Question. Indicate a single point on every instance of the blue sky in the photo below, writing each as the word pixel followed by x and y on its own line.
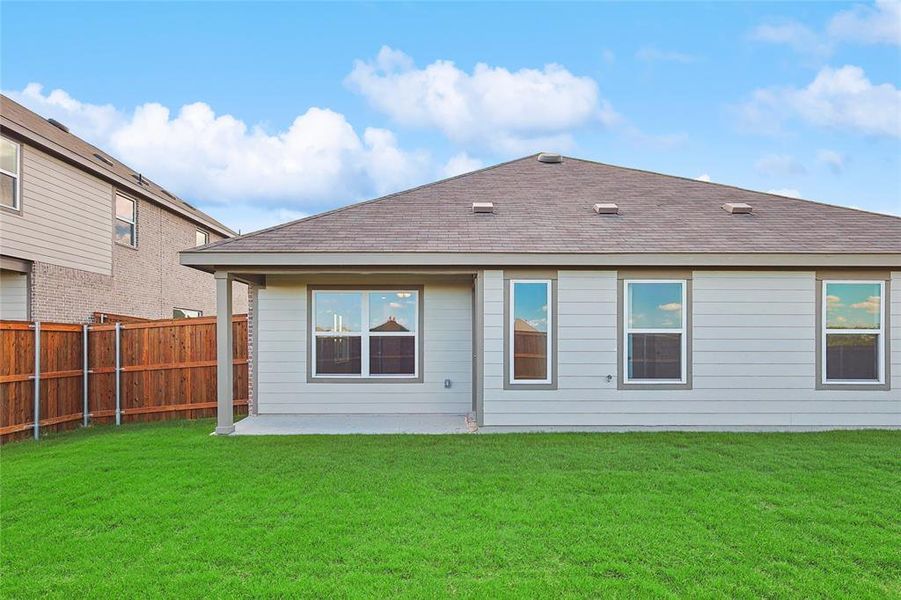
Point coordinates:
pixel 260 113
pixel 530 304
pixel 853 305
pixel 655 305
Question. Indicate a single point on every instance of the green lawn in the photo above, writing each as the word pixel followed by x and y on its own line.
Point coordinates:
pixel 165 509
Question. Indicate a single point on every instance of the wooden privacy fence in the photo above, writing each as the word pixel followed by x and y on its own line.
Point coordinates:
pixel 112 373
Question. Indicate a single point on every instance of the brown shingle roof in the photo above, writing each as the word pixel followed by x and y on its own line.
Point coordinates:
pixel 40 131
pixel 548 208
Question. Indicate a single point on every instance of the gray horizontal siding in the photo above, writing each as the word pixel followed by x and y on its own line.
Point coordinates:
pixel 282 355
pixel 754 361
pixel 66 216
pixel 895 332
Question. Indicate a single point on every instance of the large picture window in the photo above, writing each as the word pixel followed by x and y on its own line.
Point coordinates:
pixel 365 333
pixel 655 335
pixel 530 329
pixel 853 336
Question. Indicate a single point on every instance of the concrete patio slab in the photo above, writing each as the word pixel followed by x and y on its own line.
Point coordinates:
pixel 351 424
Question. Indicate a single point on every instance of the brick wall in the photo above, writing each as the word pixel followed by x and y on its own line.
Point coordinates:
pixel 147 281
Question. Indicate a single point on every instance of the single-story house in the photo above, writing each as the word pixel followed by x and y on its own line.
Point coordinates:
pixel 554 292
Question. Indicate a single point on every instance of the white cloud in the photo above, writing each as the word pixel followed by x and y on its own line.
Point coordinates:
pixel 779 165
pixel 245 217
pixel 832 159
pixel 705 177
pixel 319 159
pixel 671 307
pixel 795 35
pixel 871 305
pixel 461 163
pixel 842 98
pixel 787 192
pixel 878 23
pixel 529 109
pixel 833 300
pixel 869 24
pixel 652 54
pixel 90 121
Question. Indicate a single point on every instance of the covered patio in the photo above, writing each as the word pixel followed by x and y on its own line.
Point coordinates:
pixel 288 397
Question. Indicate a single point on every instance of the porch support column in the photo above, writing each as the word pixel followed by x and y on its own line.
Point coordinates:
pixel 478 347
pixel 225 422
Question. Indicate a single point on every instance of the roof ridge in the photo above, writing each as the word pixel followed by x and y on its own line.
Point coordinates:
pixel 731 186
pixel 362 203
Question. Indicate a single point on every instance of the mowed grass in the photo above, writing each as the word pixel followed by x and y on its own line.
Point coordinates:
pixel 167 510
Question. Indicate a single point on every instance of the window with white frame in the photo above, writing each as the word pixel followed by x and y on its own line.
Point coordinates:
pixel 530 329
pixel 126 220
pixel 365 333
pixel 853 336
pixel 10 173
pixel 655 336
pixel 201 238
pixel 186 313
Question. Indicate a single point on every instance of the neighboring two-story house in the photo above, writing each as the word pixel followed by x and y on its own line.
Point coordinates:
pixel 81 233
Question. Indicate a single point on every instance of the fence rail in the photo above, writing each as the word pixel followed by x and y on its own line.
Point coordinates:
pixel 122 372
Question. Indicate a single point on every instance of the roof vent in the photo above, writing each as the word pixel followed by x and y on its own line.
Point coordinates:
pixel 103 159
pixel 737 208
pixel 483 207
pixel 550 157
pixel 606 208
pixel 58 125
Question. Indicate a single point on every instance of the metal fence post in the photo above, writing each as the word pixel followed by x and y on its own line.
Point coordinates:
pixel 37 380
pixel 84 386
pixel 118 372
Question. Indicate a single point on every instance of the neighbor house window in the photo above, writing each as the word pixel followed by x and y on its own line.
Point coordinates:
pixel 126 220
pixel 186 313
pixel 853 336
pixel 529 331
pixel 365 333
pixel 655 332
pixel 201 238
pixel 10 163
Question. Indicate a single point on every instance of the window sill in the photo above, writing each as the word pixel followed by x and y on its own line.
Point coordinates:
pixel 13 211
pixel 129 246
pixel 519 385
pixel 352 380
pixel 855 387
pixel 668 385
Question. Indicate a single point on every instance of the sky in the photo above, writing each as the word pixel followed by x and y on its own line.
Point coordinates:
pixel 262 113
pixel 655 305
pixel 383 306
pixel 853 305
pixel 530 304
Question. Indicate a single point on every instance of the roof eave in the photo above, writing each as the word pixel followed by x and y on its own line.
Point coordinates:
pixel 270 261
